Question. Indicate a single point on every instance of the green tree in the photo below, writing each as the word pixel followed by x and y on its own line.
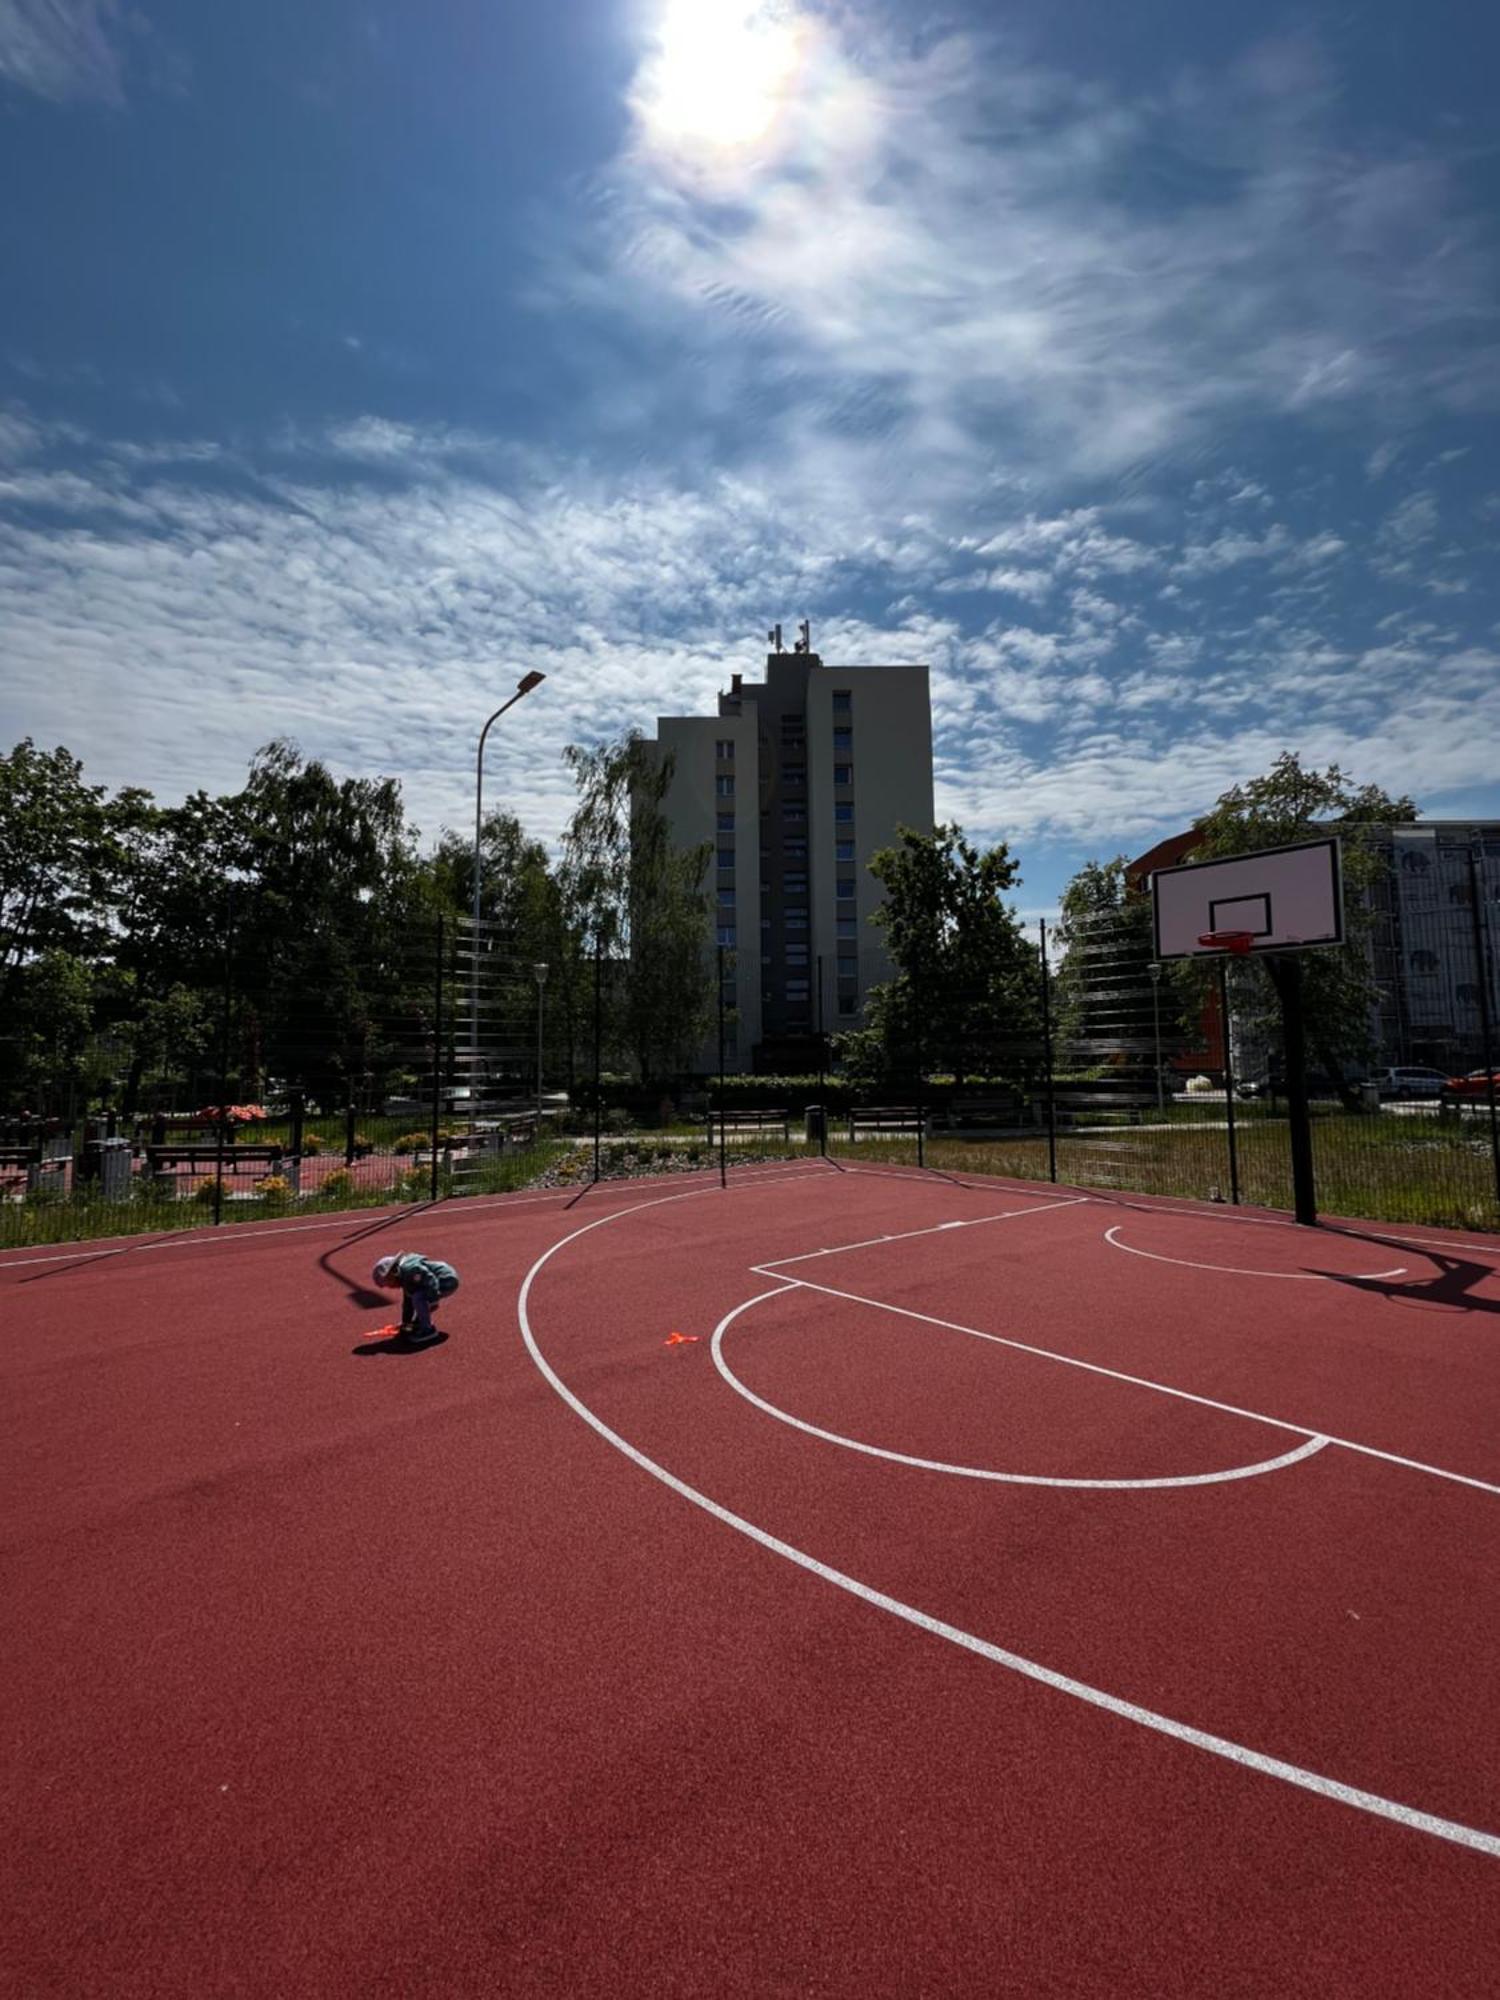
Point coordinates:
pixel 638 898
pixel 965 998
pixel 1290 803
pixel 65 861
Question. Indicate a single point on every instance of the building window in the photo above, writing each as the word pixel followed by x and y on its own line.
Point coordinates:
pixel 724 784
pixel 846 886
pixel 724 749
pixel 794 775
pixel 794 850
pixel 796 954
pixel 794 815
pixel 725 935
pixel 765 923
pixel 797 989
pixel 795 882
pixel 848 968
pixel 848 927
pixel 843 774
pixel 843 850
pixel 843 740
pixel 848 1003
pixel 843 701
pixel 726 821
pixel 843 811
pixel 726 895
pixel 796 920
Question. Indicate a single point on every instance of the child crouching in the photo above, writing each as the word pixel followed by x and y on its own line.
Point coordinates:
pixel 422 1282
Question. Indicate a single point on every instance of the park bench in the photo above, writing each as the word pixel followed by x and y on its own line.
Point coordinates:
pixel 1078 1104
pixel 165 1158
pixel 997 1110
pixel 895 1119
pixel 750 1121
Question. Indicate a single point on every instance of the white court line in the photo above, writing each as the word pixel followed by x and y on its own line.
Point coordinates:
pixel 1410 1817
pixel 1237 1271
pixel 1313 1444
pixel 1139 1382
pixel 933 1229
pixel 453 1206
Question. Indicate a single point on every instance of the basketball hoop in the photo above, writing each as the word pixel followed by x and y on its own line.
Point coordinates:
pixel 1236 942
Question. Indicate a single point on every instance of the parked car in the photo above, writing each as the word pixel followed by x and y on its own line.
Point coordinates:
pixel 1409 1081
pixel 1471 1089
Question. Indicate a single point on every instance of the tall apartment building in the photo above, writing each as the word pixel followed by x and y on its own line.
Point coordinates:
pixel 797 781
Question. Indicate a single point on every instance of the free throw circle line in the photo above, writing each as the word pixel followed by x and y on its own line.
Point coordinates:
pixel 1314 1442
pixel 1411 1817
pixel 1111 1237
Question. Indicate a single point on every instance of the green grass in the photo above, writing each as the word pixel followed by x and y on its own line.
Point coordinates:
pixel 1379 1167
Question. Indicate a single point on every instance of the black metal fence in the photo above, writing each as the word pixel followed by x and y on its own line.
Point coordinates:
pixel 445 1065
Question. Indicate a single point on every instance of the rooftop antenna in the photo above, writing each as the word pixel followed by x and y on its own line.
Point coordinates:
pixel 804 641
pixel 773 638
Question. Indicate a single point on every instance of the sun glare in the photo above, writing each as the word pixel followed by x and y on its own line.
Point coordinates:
pixel 721 73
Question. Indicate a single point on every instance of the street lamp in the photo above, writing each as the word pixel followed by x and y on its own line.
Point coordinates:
pixel 539 973
pixel 523 686
pixel 1155 968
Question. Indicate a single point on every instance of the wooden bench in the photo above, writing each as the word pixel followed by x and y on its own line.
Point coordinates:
pixel 1074 1105
pixel 997 1111
pixel 898 1119
pixel 750 1121
pixel 160 1159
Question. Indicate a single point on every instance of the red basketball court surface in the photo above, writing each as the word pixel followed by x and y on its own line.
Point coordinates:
pixel 995 1589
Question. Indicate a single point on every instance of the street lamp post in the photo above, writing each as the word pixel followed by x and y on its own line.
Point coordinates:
pixel 539 973
pixel 524 686
pixel 1155 970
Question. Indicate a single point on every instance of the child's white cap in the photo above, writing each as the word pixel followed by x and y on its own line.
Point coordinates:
pixel 385 1269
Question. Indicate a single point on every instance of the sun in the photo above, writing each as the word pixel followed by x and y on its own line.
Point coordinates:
pixel 720 74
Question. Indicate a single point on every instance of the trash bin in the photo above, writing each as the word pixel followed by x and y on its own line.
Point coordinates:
pixel 1370 1096
pixel 114 1169
pixel 816 1124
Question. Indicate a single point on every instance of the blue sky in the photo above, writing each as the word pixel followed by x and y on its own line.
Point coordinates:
pixel 1137 367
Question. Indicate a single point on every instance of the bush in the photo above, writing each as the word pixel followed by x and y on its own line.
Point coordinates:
pixel 312 1143
pixel 618 1122
pixel 338 1186
pixel 203 1193
pixel 276 1190
pixel 410 1142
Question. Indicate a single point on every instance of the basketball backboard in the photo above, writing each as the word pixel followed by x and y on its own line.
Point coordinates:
pixel 1283 898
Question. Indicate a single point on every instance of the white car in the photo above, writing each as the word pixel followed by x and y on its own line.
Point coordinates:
pixel 1408 1082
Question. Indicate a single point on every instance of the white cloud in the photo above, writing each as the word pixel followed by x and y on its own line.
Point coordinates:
pixel 63 48
pixel 948 225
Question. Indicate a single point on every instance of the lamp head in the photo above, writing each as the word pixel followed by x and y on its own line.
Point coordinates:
pixel 529 681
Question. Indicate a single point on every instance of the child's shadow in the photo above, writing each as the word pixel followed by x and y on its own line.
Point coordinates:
pixel 397 1343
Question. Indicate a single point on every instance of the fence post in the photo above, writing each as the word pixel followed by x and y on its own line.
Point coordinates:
pixel 1234 1151
pixel 921 1093
pixel 1482 973
pixel 223 1120
pixel 723 1134
pixel 437 1056
pixel 297 1108
pixel 1047 1056
pixel 822 1069
pixel 349 1126
pixel 598 1048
